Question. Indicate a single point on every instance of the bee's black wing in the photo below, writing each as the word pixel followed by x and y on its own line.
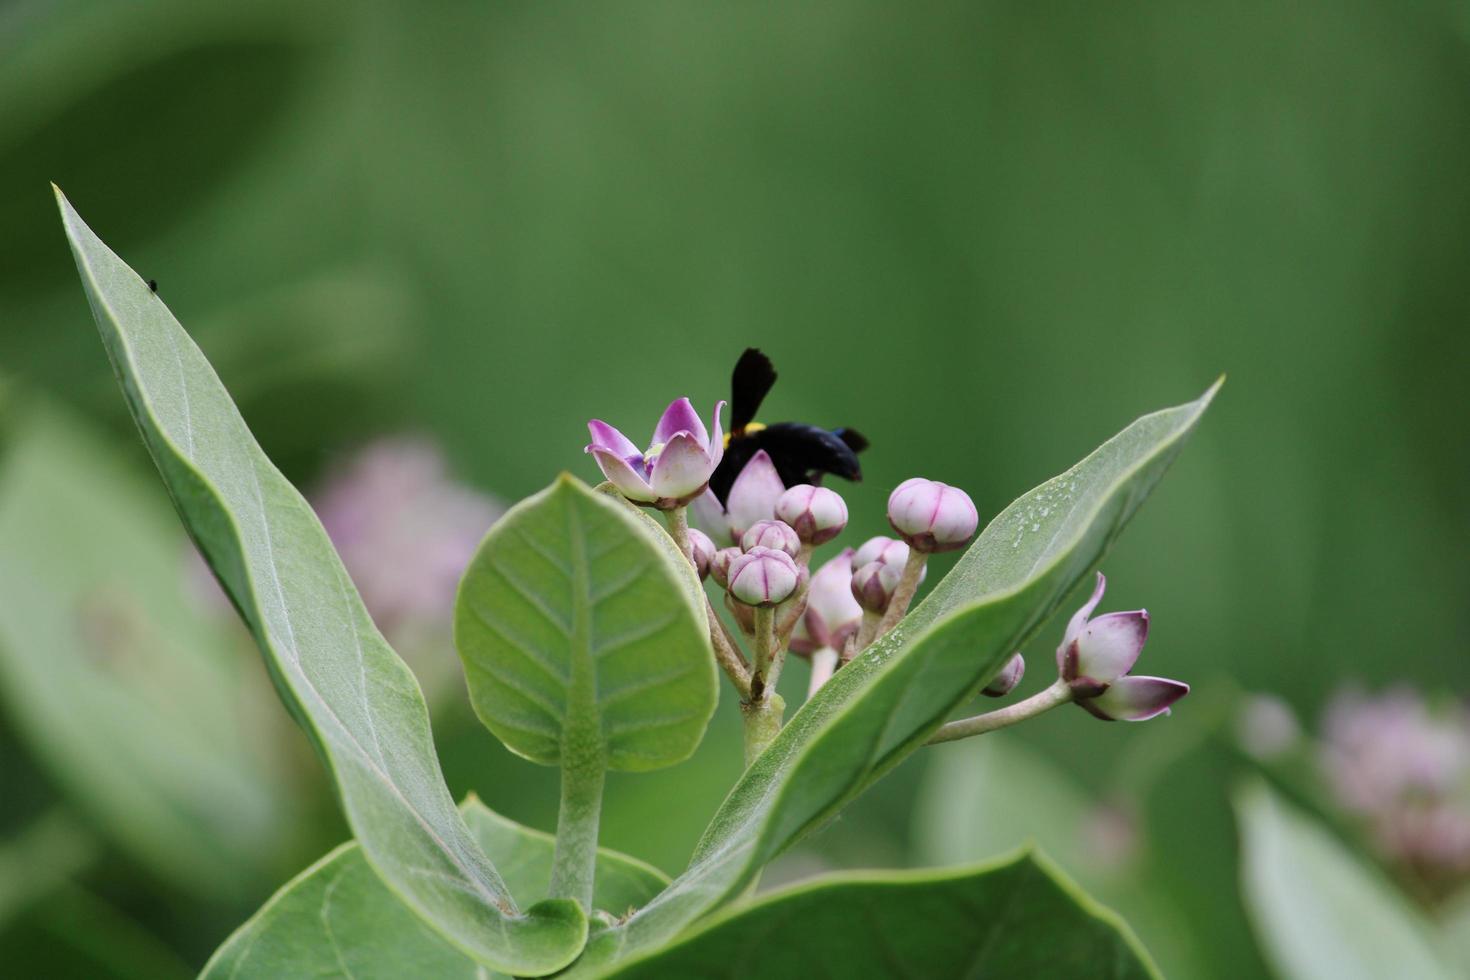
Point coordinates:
pixel 753 377
pixel 804 453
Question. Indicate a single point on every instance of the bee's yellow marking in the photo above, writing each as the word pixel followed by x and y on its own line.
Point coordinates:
pixel 751 428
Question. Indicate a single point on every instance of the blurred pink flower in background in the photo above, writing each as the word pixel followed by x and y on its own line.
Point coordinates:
pixel 1403 765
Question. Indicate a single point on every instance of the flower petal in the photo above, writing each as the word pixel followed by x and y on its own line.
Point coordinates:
pixel 683 468
pixel 680 417
pixel 706 514
pixel 605 436
pixel 754 493
pixel 630 483
pixel 717 435
pixel 1136 698
pixel 1109 645
pixel 1079 620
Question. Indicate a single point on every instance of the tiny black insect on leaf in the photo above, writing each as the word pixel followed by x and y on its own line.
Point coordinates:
pixel 153 285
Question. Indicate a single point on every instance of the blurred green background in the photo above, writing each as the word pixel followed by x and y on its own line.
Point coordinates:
pixel 987 235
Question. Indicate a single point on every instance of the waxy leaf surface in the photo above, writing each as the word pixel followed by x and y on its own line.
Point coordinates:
pixel 571 618
pixel 337 918
pixel 1014 919
pixel 355 698
pixel 887 702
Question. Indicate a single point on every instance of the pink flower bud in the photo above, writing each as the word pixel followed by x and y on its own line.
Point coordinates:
pixel 763 577
pixel 832 614
pixel 873 585
pixel 890 551
pixel 817 514
pixel 1006 680
pixel 771 534
pixel 701 552
pixel 719 565
pixel 932 516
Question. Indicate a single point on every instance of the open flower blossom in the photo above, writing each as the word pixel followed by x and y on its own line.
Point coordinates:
pixel 1096 656
pixel 832 614
pixel 932 516
pixel 763 577
pixel 752 499
pixel 674 469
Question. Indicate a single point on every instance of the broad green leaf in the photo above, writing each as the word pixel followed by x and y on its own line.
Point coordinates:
pixel 884 704
pixel 355 698
pixel 1015 919
pixel 337 918
pixel 572 618
pixel 125 692
pixel 1319 912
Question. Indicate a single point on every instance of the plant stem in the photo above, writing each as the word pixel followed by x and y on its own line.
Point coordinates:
pixel 1058 693
pixel 903 594
pixel 574 864
pixel 762 723
pixel 824 662
pixel 727 652
pixel 865 632
pixel 767 652
pixel 678 520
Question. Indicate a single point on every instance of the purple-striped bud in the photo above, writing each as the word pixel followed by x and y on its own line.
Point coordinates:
pixel 1005 682
pixel 890 551
pixel 932 516
pixel 701 552
pixel 763 577
pixel 771 534
pixel 873 585
pixel 817 514
pixel 719 565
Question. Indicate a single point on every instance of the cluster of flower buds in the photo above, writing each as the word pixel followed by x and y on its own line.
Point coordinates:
pixel 1096 656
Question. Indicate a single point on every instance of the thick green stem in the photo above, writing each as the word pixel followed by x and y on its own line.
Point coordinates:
pixel 762 723
pixel 574 864
pixel 678 520
pixel 767 652
pixel 1058 693
pixel 903 593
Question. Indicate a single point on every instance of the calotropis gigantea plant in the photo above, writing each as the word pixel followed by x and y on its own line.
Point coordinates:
pixel 588 643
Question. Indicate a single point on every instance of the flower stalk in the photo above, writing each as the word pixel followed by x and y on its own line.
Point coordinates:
pixel 1059 693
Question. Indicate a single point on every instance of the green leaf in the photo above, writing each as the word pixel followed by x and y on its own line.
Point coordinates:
pixel 1319 912
pixel 337 917
pixel 572 615
pixel 1017 918
pixel 884 704
pixel 355 698
pixel 127 694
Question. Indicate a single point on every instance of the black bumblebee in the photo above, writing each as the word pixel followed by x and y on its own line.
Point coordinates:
pixel 802 453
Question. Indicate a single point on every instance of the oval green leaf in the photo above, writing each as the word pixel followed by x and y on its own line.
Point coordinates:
pixel 1319 912
pixel 354 697
pixel 1016 918
pixel 337 917
pixel 887 702
pixel 571 619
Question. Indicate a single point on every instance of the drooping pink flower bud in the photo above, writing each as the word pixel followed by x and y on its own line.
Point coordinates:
pixel 1096 656
pixel 816 513
pixel 701 552
pixel 763 577
pixel 677 465
pixel 771 534
pixel 874 583
pixel 832 614
pixel 719 566
pixel 1010 675
pixel 932 516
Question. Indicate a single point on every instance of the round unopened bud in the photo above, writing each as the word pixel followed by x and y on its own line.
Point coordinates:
pixel 763 577
pixel 771 534
pixel 701 551
pixel 888 550
pixel 932 516
pixel 1010 675
pixel 816 514
pixel 873 585
pixel 719 565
